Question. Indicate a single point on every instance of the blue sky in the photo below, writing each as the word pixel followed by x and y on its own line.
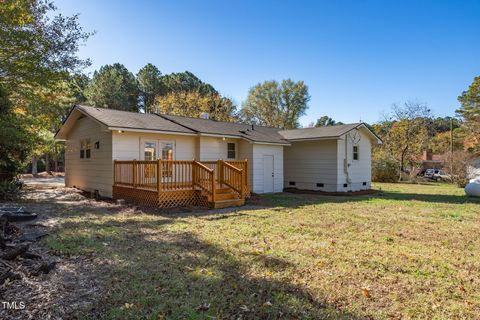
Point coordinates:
pixel 357 57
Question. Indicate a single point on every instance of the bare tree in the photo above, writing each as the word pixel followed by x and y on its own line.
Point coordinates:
pixel 456 165
pixel 405 132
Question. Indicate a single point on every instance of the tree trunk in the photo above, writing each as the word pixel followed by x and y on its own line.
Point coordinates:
pixel 47 163
pixel 56 158
pixel 34 165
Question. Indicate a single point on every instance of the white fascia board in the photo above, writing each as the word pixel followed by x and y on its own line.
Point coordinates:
pixel 219 135
pixel 271 143
pixel 151 131
pixel 313 139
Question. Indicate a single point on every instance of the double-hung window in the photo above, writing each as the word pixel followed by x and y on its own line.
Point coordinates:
pixel 231 154
pixel 85 149
pixel 355 152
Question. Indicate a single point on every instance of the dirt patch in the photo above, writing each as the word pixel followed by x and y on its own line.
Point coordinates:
pixel 43 284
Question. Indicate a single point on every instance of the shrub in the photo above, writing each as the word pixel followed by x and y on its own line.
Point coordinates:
pixel 456 165
pixel 10 190
pixel 385 170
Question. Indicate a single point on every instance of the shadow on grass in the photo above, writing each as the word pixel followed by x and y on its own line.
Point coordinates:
pixel 160 273
pixel 295 200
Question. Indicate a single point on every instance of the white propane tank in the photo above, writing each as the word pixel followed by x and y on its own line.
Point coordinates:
pixel 473 188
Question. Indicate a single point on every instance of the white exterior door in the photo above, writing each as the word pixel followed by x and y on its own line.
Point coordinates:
pixel 268 174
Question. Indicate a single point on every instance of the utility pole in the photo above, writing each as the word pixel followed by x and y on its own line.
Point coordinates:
pixel 451 146
pixel 451 136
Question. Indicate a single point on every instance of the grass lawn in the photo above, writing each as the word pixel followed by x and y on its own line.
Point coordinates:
pixel 410 252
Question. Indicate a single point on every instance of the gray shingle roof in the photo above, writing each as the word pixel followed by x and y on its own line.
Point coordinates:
pixel 168 123
pixel 132 120
pixel 205 126
pixel 318 133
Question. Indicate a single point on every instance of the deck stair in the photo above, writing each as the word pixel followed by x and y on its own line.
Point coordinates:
pixel 226 197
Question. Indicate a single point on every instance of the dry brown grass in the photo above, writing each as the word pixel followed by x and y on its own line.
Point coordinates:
pixel 410 251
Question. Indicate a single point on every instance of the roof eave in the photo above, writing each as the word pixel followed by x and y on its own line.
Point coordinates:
pixel 151 131
pixel 314 138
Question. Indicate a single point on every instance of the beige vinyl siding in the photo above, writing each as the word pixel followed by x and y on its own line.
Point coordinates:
pixel 214 148
pixel 259 150
pixel 310 162
pixel 95 173
pixel 129 145
pixel 360 170
pixel 245 151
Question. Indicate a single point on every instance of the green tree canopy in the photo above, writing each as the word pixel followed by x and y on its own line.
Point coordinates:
pixel 186 82
pixel 470 112
pixel 276 105
pixel 442 124
pixel 15 140
pixel 150 85
pixel 193 104
pixel 113 87
pixel 38 53
pixel 326 121
pixel 36 48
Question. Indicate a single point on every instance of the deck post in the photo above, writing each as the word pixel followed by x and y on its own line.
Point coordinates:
pixel 245 168
pixel 220 172
pixel 134 171
pixel 214 187
pixel 194 174
pixel 114 172
pixel 242 185
pixel 159 181
pixel 160 175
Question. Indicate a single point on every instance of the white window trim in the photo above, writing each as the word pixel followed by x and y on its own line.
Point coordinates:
pixel 358 152
pixel 236 151
pixel 82 141
pixel 167 141
pixel 143 148
pixel 157 150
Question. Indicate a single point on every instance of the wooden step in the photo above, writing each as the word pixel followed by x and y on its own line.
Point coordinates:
pixel 223 190
pixel 226 196
pixel 228 203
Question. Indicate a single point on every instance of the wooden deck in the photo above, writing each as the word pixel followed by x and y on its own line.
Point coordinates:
pixel 171 183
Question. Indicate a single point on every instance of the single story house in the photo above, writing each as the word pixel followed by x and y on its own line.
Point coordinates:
pixel 111 152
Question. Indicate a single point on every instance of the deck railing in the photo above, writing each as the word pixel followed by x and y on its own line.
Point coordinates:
pixel 204 178
pixel 178 175
pixel 231 176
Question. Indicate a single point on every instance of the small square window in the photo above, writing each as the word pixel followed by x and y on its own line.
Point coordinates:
pixel 345 185
pixel 355 152
pixel 320 185
pixel 231 150
pixel 291 183
pixel 364 183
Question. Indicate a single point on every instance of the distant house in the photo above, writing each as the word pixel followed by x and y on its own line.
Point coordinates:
pixel 432 161
pixel 167 160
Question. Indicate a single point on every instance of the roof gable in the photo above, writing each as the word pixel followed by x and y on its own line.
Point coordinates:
pixel 115 119
pixel 327 132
